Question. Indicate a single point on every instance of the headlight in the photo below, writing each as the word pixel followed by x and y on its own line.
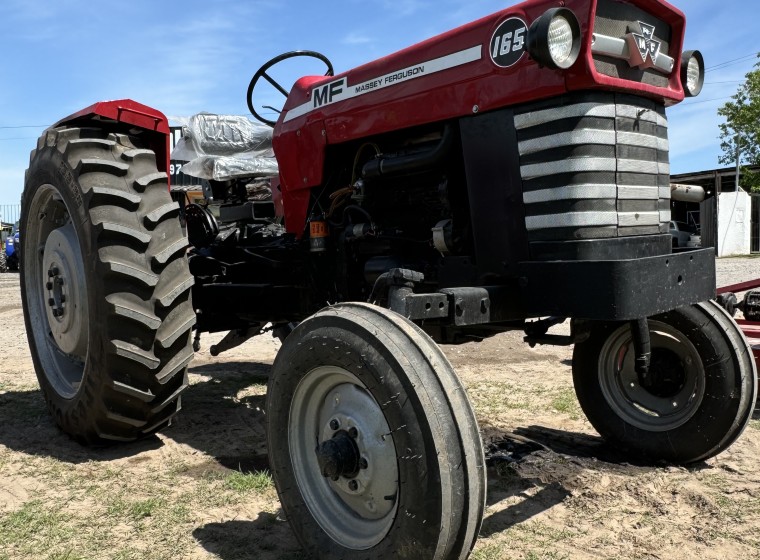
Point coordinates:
pixel 692 72
pixel 554 39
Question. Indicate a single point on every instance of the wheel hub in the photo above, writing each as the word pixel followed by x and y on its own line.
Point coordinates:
pixel 65 304
pixel 666 376
pixel 339 456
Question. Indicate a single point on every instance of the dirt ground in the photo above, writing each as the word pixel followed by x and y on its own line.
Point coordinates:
pixel 200 489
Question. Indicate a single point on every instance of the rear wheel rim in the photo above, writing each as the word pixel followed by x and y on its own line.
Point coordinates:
pixel 666 399
pixel 55 281
pixel 358 509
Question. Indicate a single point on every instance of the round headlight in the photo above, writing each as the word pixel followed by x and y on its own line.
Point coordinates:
pixel 554 39
pixel 692 72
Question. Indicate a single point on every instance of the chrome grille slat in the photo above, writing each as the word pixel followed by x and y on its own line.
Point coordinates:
pixel 535 118
pixel 567 166
pixel 572 219
pixel 642 140
pixel 605 176
pixel 574 138
pixel 570 192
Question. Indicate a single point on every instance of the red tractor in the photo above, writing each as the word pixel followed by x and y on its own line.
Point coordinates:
pixel 510 174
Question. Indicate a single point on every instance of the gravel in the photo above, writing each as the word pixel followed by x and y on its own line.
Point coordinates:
pixel 732 270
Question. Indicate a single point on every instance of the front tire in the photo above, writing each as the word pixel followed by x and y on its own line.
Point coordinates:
pixel 373 444
pixel 105 285
pixel 696 399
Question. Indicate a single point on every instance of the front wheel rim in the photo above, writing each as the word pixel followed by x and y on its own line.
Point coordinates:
pixel 671 399
pixel 358 509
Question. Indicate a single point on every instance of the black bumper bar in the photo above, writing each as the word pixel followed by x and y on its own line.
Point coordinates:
pixel 619 289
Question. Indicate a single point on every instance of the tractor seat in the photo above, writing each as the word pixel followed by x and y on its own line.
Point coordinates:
pixel 226 135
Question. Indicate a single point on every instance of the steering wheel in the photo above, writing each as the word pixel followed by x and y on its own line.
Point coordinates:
pixel 262 73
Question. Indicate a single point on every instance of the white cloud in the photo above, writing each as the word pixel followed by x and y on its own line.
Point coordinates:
pixel 356 38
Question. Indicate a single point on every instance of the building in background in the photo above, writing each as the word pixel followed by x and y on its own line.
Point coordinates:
pixel 728 219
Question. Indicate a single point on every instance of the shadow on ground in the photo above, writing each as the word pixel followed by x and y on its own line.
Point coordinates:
pixel 213 420
pixel 263 539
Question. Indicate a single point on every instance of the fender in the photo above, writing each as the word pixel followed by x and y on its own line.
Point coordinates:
pixel 127 113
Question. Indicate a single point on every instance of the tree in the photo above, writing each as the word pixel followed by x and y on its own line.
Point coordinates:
pixel 742 124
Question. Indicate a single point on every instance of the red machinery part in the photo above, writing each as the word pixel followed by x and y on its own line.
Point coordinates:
pixel 126 111
pixel 446 77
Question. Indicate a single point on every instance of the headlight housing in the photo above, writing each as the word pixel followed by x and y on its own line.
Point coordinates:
pixel 554 39
pixel 692 72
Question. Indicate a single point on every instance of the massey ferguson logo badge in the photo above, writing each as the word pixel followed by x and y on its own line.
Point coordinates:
pixel 643 47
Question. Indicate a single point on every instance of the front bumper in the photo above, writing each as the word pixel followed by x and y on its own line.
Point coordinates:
pixel 617 290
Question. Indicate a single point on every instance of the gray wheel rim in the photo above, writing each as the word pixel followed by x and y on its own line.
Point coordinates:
pixel 54 280
pixel 634 403
pixel 357 512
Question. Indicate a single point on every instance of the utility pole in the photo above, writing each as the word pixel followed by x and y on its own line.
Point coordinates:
pixel 738 157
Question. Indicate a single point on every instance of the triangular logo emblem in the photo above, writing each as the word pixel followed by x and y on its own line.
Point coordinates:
pixel 644 48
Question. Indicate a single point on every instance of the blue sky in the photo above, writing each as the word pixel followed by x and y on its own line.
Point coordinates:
pixel 184 57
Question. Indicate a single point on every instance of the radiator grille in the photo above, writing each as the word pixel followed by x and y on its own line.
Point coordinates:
pixel 616 19
pixel 594 167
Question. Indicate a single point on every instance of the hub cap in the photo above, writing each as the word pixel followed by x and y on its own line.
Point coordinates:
pixel 343 457
pixel 62 270
pixel 668 395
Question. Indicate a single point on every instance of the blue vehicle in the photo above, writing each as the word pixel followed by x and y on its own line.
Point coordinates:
pixel 12 249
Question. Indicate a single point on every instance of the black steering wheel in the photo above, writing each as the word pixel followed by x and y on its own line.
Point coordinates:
pixel 262 73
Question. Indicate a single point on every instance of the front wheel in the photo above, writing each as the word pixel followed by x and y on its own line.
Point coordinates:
pixel 373 444
pixel 696 398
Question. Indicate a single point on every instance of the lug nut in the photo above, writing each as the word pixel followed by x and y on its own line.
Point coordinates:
pixel 363 464
pixel 334 424
pixel 353 485
pixel 59 281
pixel 53 272
pixel 49 285
pixel 63 298
pixel 56 312
pixel 353 432
pixel 51 302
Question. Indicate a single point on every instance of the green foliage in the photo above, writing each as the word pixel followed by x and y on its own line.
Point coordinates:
pixel 742 116
pixel 258 482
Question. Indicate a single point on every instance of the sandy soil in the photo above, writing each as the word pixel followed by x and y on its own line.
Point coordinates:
pixel 189 492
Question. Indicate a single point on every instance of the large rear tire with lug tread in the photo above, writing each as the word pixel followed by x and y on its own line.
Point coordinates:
pixel 105 285
pixel 3 262
pixel 696 399
pixel 373 444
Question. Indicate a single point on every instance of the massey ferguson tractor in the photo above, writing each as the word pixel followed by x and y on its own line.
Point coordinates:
pixel 510 174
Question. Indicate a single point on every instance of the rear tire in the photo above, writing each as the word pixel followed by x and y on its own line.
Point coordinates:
pixel 3 262
pixel 698 397
pixel 105 285
pixel 374 384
